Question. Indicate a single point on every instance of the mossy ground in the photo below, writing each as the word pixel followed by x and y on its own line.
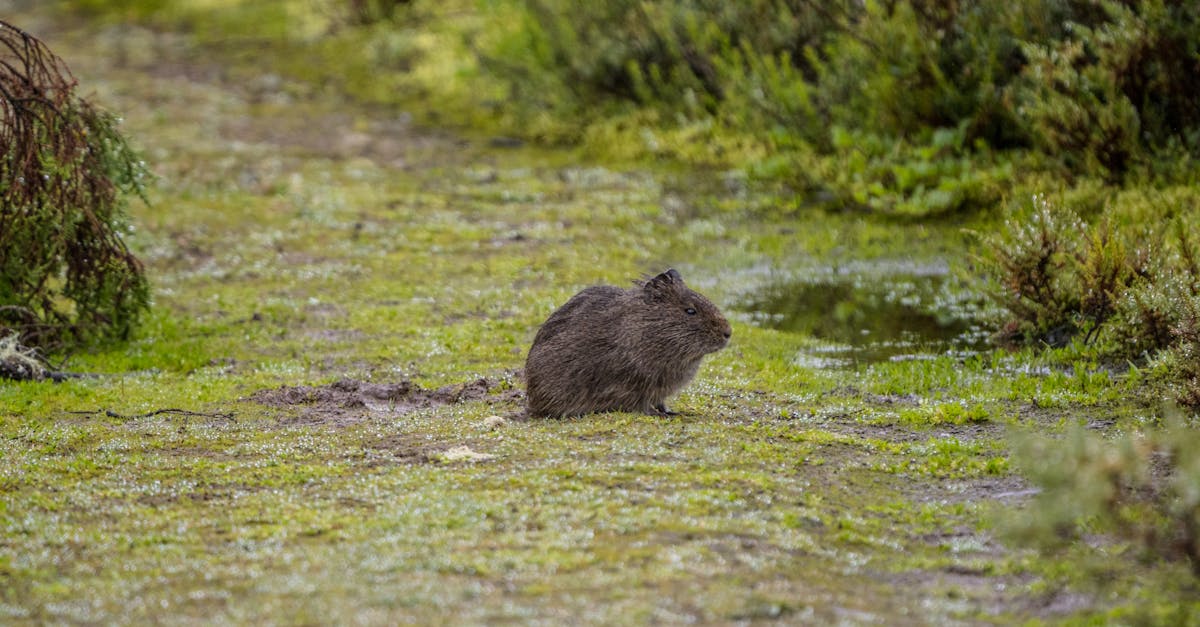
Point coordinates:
pixel 295 238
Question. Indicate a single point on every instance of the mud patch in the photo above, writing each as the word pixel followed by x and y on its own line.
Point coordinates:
pixel 403 449
pixel 348 401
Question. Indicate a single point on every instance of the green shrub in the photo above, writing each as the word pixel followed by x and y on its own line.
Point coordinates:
pixel 1107 95
pixel 1034 262
pixel 578 62
pixel 65 273
pixel 903 68
pixel 1142 488
pixel 933 175
pixel 1152 312
pixel 914 108
pixel 1083 89
pixel 1182 359
pixel 867 92
pixel 1127 284
pixel 1125 277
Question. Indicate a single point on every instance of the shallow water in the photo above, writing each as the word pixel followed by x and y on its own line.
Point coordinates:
pixel 864 316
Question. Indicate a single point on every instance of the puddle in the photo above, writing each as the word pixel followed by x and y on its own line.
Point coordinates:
pixel 864 318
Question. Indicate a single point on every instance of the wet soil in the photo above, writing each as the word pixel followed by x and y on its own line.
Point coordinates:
pixel 349 401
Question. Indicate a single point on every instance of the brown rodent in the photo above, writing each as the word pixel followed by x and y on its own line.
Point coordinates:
pixel 613 349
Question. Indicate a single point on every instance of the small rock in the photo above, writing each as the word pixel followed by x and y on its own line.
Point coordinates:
pixel 494 422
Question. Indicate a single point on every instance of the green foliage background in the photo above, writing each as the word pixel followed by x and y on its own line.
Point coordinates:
pixel 901 107
pixel 911 108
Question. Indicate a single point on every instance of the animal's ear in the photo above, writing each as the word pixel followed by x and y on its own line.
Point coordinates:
pixel 668 279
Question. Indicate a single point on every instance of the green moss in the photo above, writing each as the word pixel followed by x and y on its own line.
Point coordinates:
pixel 944 414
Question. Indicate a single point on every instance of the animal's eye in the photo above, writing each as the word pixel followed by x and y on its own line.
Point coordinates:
pixel 691 311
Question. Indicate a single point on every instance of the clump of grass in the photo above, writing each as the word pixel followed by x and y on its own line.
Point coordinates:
pixel 955 413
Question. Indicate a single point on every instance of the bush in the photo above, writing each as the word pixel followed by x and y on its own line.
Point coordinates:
pixel 1125 278
pixel 1182 360
pixel 1142 488
pixel 65 273
pixel 1127 284
pixel 1034 261
pixel 1108 95
pixel 869 91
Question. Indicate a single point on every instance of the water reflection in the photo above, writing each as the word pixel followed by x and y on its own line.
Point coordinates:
pixel 863 318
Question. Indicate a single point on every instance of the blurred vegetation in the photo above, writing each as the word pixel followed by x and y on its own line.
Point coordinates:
pixel 913 108
pixel 902 107
pixel 1142 489
pixel 66 275
pixel 905 107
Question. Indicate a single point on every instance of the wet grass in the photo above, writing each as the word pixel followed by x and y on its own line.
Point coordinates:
pixel 317 240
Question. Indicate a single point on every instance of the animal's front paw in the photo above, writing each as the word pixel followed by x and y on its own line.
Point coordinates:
pixel 661 410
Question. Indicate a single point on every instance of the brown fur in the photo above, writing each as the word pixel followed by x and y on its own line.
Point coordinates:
pixel 612 349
